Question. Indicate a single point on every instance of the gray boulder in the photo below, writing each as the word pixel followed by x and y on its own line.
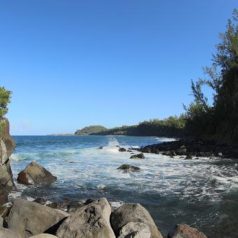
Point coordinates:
pixel 35 174
pixel 185 231
pixel 89 221
pixel 5 233
pixel 30 218
pixel 135 213
pixel 135 230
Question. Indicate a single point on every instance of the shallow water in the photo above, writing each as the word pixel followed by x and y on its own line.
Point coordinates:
pixel 201 192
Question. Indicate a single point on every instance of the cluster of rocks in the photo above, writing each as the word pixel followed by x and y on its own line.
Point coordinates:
pixel 192 148
pixel 126 168
pixel 93 219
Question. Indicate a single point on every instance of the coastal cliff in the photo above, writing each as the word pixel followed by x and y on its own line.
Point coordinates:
pixel 7 146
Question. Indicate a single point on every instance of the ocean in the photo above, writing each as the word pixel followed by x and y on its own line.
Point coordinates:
pixel 201 192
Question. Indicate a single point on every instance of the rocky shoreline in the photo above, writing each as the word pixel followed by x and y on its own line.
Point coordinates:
pixel 192 148
pixel 21 218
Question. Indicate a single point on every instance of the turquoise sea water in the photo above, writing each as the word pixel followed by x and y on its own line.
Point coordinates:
pixel 201 192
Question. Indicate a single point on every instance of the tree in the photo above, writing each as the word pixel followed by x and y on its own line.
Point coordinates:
pixel 220 120
pixel 5 97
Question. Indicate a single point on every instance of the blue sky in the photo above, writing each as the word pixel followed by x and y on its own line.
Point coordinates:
pixel 72 63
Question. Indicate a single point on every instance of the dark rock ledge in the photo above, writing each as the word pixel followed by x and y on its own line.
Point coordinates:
pixel 196 148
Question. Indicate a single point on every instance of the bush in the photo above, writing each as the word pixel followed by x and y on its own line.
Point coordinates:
pixel 5 97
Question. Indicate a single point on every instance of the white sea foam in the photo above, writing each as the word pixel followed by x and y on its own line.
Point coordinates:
pixel 101 186
pixel 18 157
pixel 97 169
pixel 165 139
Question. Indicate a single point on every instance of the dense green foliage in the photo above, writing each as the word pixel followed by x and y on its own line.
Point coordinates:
pixel 5 97
pixel 90 130
pixel 219 120
pixel 170 127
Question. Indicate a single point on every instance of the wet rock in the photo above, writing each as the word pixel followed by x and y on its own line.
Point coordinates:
pixel 135 230
pixel 30 218
pixel 185 231
pixel 100 147
pixel 35 174
pixel 135 213
pixel 128 168
pixel 169 153
pixel 138 156
pixel 6 233
pixel 122 149
pixel 182 150
pixel 188 157
pixel 89 221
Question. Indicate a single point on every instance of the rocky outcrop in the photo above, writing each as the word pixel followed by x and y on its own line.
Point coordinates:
pixel 128 168
pixel 7 146
pixel 30 218
pixel 133 213
pixel 192 147
pixel 185 231
pixel 35 174
pixel 89 221
pixel 138 156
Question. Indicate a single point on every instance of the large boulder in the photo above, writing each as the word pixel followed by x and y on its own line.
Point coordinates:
pixel 185 231
pixel 30 218
pixel 89 221
pixel 5 233
pixel 35 174
pixel 135 230
pixel 135 213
